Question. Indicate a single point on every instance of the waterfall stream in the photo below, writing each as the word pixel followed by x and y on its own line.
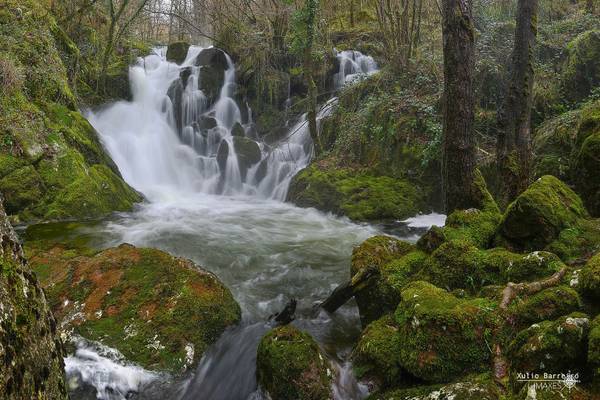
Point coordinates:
pixel 215 192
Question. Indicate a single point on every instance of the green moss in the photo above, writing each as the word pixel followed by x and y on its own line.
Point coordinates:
pixel 290 366
pixel 548 304
pixel 150 306
pixel 550 347
pixel 177 52
pixel 475 226
pixel 533 266
pixel 21 188
pixel 442 337
pixel 581 72
pixel 362 197
pixel 594 350
pixel 589 278
pixel 577 243
pixel 587 167
pixel 464 390
pixel 376 356
pixel 539 214
pixel 380 297
pixel 95 194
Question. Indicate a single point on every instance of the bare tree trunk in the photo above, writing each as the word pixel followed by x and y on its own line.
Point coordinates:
pixel 514 138
pixel 459 147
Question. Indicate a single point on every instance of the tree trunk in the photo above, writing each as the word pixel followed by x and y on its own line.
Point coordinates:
pixel 514 138
pixel 459 147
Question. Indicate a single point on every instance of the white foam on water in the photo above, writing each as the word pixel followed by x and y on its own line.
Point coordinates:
pixel 426 220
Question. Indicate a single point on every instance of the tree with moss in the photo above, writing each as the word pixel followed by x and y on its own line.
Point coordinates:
pixel 303 37
pixel 459 167
pixel 514 134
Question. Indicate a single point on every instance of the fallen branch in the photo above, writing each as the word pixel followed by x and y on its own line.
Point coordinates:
pixel 510 292
pixel 344 292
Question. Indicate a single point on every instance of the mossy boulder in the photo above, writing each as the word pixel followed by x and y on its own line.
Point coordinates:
pixel 581 72
pixel 52 161
pixel 587 167
pixel 552 347
pixel 589 278
pixel 548 304
pixel 468 390
pixel 31 351
pixel 376 357
pixel 360 196
pixel 442 337
pixel 475 226
pixel 290 366
pixel 381 297
pixel 539 214
pixel 177 52
pixel 159 311
pixel 577 243
pixel 593 356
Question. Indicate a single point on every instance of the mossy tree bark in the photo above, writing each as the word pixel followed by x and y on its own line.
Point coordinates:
pixel 459 146
pixel 514 138
pixel 308 67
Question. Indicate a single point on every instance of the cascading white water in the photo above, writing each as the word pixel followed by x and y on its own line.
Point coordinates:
pixel 184 143
pixel 353 66
pixel 173 138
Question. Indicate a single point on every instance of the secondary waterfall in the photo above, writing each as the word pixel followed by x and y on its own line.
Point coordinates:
pixel 186 132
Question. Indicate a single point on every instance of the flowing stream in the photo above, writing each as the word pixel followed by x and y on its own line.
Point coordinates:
pixel 215 192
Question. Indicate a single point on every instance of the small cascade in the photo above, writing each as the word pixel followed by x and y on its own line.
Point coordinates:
pixel 353 66
pixel 187 132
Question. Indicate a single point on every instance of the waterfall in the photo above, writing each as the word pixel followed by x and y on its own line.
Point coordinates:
pixel 185 132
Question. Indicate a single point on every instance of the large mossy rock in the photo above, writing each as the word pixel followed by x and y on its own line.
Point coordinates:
pixel 360 196
pixel 376 357
pixel 159 311
pixel 589 278
pixel 593 356
pixel 587 167
pixel 442 337
pixel 381 298
pixel 554 347
pixel 31 352
pixel 177 52
pixel 290 366
pixel 52 165
pixel 536 218
pixel 581 72
pixel 477 389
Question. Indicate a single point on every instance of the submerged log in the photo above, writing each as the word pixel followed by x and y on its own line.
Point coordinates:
pixel 344 292
pixel 286 315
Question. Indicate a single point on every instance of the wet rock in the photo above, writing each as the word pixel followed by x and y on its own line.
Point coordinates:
pixel 290 366
pixel 159 311
pixel 238 130
pixel 539 214
pixel 222 155
pixel 248 154
pixel 557 346
pixel 31 352
pixel 206 123
pixel 213 64
pixel 177 52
